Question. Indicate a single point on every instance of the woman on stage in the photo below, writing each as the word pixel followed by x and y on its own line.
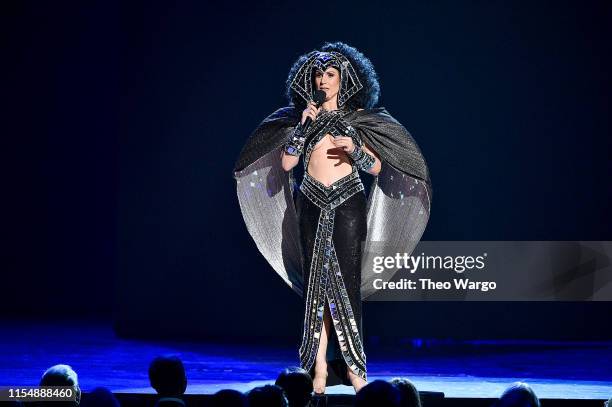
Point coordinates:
pixel 317 241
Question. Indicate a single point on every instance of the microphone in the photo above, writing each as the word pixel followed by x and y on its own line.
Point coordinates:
pixel 318 98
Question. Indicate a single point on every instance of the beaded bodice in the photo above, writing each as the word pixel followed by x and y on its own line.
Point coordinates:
pixel 328 122
pixel 329 197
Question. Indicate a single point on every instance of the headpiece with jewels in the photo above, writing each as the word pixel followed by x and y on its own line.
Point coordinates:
pixel 349 81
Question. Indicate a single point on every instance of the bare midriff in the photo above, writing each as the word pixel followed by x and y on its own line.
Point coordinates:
pixel 328 163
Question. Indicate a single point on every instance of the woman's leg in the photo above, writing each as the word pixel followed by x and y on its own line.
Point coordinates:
pixel 320 376
pixel 356 381
pixel 350 230
pixel 308 216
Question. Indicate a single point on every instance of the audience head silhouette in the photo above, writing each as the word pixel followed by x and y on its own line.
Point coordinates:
pixel 378 393
pixel 229 398
pixel 100 397
pixel 297 384
pixel 518 394
pixel 267 396
pixel 62 375
pixel 293 388
pixel 167 376
pixel 409 396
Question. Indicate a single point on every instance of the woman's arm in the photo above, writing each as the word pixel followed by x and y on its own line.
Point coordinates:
pixel 288 161
pixel 357 154
pixel 296 140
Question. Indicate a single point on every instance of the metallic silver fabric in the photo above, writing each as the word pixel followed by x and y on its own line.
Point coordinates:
pixel 398 212
pixel 264 194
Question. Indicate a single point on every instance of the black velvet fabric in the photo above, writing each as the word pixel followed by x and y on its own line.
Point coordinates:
pixel 350 229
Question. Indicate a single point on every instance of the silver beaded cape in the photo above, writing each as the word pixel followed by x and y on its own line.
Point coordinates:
pixel 399 200
pixel 398 208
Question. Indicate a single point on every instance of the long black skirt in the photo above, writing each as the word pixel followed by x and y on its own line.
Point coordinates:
pixel 332 238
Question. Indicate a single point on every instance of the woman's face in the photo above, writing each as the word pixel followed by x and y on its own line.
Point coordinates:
pixel 328 81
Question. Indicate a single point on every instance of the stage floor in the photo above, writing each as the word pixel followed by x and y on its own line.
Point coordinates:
pixel 473 369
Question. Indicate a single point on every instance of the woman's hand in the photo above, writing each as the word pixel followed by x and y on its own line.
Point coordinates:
pixel 345 143
pixel 311 111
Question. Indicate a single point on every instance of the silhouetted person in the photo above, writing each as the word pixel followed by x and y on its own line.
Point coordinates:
pixel 267 396
pixel 167 377
pixel 229 398
pixel 297 384
pixel 409 396
pixel 100 397
pixel 378 393
pixel 518 394
pixel 61 375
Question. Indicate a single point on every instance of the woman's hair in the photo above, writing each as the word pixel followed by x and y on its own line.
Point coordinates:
pixel 366 98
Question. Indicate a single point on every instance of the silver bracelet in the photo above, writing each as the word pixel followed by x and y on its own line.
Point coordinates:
pixel 295 143
pixel 363 160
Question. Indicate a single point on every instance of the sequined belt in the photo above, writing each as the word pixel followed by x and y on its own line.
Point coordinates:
pixel 330 197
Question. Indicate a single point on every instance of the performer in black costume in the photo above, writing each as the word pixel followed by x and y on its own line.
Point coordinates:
pixel 317 242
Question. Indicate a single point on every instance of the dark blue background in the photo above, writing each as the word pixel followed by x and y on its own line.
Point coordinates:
pixel 124 121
